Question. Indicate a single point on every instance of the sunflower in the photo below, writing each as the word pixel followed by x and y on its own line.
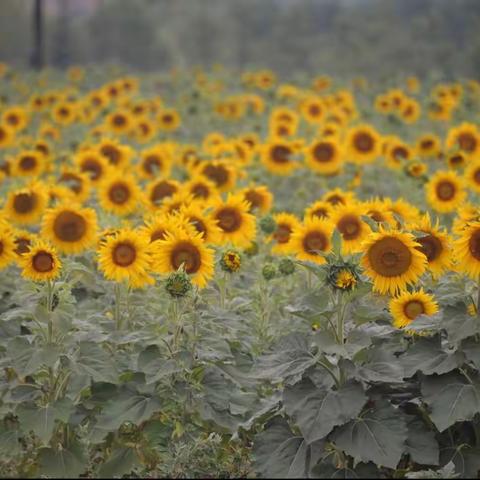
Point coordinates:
pixel 115 153
pixel 71 229
pixel 126 256
pixel 466 137
pixel 409 305
pixel 155 162
pixel 416 169
pixel 347 220
pixel 237 225
pixel 7 247
pixel 338 197
pixel 392 260
pixel 119 122
pixel 28 163
pixel 173 204
pixel 445 191
pixel 324 156
pixel 201 188
pixel 91 163
pixel 434 244
pixel 286 224
pixel 77 182
pixel 363 144
pixel 26 205
pixel 457 160
pixel 144 130
pixel 169 120
pixel 410 111
pixel 377 210
pixel 64 113
pixel 277 157
pixel 119 194
pixel 40 262
pixel 312 239
pixel 259 197
pixel 159 190
pixel 313 109
pixel 319 209
pixel 221 173
pixel 7 136
pixel 181 250
pixel 201 221
pixel 383 104
pixel 472 176
pixel 158 225
pixel 467 250
pixel 397 153
pixel 16 118
pixel 428 145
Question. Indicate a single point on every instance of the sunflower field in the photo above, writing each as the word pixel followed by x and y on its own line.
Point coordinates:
pixel 205 274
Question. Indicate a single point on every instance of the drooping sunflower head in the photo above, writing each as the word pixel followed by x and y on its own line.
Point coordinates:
pixel 231 261
pixel 71 229
pixel 445 191
pixel 312 239
pixel 126 256
pixel 392 260
pixel 182 250
pixel 40 262
pixel 406 307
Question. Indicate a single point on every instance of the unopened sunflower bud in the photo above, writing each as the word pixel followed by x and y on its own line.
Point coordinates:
pixel 178 284
pixel 231 261
pixel 268 224
pixel 269 271
pixel 286 266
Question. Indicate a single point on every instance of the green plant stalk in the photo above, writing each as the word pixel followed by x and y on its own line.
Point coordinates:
pixel 176 321
pixel 117 311
pixel 222 285
pixel 50 290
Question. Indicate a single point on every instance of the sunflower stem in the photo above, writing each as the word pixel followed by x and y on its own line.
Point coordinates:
pixel 117 312
pixel 50 290
pixel 222 284
pixel 176 320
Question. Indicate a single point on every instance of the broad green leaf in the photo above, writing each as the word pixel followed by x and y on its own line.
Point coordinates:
pixel 327 469
pixel 290 358
pixel 428 356
pixel 381 366
pixel 465 458
pixel 421 443
pixel 121 462
pixel 376 436
pixel 63 463
pixel 317 410
pixel 41 420
pixel 279 454
pixel 126 407
pixel 451 398
pixel 95 362
pixel 154 366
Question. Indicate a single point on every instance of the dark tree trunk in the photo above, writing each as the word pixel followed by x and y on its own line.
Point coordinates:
pixel 37 59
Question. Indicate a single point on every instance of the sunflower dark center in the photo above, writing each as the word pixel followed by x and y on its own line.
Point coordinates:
pixel 119 193
pixel 119 120
pixel 349 226
pixel 92 167
pixel 186 254
pixel 229 219
pixel 445 190
pixel 217 174
pixel 315 242
pixel 467 142
pixel 280 154
pixel 336 200
pixel 476 176
pixel 24 202
pixel 389 257
pixel 255 199
pixel 363 142
pixel 474 244
pixel 426 144
pixel 112 153
pixel 320 213
pixel 28 162
pixel 400 153
pixel 431 247
pixel 73 182
pixel 22 245
pixel 13 119
pixel 198 224
pixel 200 191
pixel 413 309
pixel 158 234
pixel 282 233
pixel 162 190
pixel 323 152
pixel 43 262
pixel 124 254
pixel 152 163
pixel 69 226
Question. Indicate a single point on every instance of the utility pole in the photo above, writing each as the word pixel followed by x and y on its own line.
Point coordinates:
pixel 37 58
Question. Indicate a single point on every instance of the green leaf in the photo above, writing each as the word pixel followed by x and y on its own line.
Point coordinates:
pixel 95 362
pixel 428 356
pixel 154 366
pixel 41 420
pixel 377 436
pixel 64 463
pixel 471 348
pixel 465 458
pixel 121 462
pixel 317 410
pixel 126 407
pixel 421 443
pixel 279 454
pixel 287 362
pixel 327 469
pixel 451 397
pixel 382 366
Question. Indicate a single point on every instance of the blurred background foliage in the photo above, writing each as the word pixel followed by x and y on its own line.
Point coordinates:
pixel 375 38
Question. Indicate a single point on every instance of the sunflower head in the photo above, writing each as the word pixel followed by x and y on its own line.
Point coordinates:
pixel 40 262
pixel 231 261
pixel 178 284
pixel 406 307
